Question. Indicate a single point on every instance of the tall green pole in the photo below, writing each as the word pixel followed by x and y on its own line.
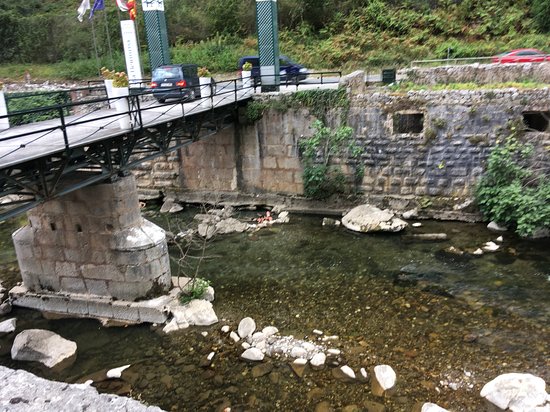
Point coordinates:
pixel 157 34
pixel 268 43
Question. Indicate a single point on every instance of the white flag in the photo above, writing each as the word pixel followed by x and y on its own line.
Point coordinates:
pixel 84 7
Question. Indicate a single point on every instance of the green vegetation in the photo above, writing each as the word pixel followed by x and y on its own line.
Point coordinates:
pixel 526 84
pixel 193 290
pixel 324 34
pixel 512 192
pixel 27 101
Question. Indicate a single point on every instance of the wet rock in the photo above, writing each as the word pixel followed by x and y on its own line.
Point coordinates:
pixel 247 326
pixel 206 230
pixel 429 236
pixel 540 233
pixel 197 312
pixel 167 205
pixel 453 251
pixel 261 370
pixel 351 408
pixel 330 222
pixel 499 239
pixel 175 208
pixel 225 329
pixel 428 407
pixel 270 331
pixel 5 308
pixel 253 354
pixel 410 214
pixel 317 332
pixel 371 406
pixel 298 352
pixel 346 370
pixel 517 392
pixel 324 407
pixel 383 380
pixel 343 374
pixel 367 218
pixel 315 394
pixel 8 326
pixel 490 247
pixel 116 373
pixel 230 225
pixel 283 217
pixel 496 227
pixel 44 346
pixel 235 337
pixel 478 252
pixel 299 367
pixel 416 224
pixel 363 375
pixel 318 360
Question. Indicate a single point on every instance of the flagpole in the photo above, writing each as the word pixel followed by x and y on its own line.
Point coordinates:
pixel 95 48
pixel 109 39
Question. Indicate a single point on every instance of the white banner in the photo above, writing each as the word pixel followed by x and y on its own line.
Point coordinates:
pixel 152 5
pixel 131 51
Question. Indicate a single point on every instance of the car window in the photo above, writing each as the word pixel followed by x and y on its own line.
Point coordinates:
pixel 528 53
pixel 166 72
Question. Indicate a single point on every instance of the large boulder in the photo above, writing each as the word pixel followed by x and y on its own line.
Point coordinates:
pixel 517 392
pixel 368 218
pixel 43 346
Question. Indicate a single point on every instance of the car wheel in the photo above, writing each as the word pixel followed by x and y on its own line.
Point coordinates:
pixel 161 100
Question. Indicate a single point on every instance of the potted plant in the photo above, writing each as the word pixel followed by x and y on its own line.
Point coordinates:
pixel 246 75
pixel 108 76
pixel 205 81
pixel 120 91
pixel 4 121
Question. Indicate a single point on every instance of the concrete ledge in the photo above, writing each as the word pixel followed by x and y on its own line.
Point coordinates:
pixel 97 307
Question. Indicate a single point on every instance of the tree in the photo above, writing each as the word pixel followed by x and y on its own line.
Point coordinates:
pixel 541 14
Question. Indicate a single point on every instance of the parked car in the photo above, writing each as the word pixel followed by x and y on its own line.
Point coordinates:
pixel 290 71
pixel 175 81
pixel 522 56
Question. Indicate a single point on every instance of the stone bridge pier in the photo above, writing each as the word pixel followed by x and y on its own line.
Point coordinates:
pixel 91 254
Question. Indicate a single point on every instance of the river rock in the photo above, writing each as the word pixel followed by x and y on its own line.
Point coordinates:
pixel 247 326
pixel 5 308
pixel 230 225
pixel 261 370
pixel 517 392
pixel 253 354
pixel 299 367
pixel 116 373
pixel 270 331
pixel 410 214
pixel 346 370
pixel 7 326
pixel 430 236
pixel 298 352
pixel 318 360
pixel 428 407
pixel 383 380
pixel 496 227
pixel 176 207
pixel 327 221
pixel 283 217
pixel 368 218
pixel 206 230
pixel 490 247
pixel 234 336
pixel 44 346
pixel 374 406
pixel 167 205
pixel 225 329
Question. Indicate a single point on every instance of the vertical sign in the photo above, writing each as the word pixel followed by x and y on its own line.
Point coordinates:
pixel 131 52
pixel 268 43
pixel 157 34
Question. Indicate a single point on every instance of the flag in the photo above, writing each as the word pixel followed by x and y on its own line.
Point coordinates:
pixel 131 4
pixel 98 5
pixel 122 5
pixel 82 9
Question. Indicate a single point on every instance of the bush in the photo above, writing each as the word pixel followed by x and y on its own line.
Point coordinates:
pixel 510 192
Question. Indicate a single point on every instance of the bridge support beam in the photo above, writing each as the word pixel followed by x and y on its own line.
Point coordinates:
pixel 90 253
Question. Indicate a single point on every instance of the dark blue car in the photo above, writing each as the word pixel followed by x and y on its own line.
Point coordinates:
pixel 290 71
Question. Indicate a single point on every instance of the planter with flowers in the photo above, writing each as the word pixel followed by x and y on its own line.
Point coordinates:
pixel 108 76
pixel 246 75
pixel 4 121
pixel 120 93
pixel 205 80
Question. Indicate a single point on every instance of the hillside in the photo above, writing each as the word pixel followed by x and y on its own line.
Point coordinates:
pixel 319 33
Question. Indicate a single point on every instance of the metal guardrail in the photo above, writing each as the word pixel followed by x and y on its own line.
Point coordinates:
pixel 451 62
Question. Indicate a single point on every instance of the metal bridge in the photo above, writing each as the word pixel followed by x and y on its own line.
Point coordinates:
pixel 86 141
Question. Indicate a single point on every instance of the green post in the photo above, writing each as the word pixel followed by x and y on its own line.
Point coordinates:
pixel 157 35
pixel 268 43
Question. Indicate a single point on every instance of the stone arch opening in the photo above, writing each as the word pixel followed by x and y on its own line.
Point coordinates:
pixel 536 121
pixel 408 122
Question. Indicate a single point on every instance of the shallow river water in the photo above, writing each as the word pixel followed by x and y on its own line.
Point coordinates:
pixel 447 324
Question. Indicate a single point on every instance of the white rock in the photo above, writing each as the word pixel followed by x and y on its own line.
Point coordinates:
pixel 432 407
pixel 385 376
pixel 318 359
pixel 230 225
pixel 8 326
pixel 269 331
pixel 225 328
pixel 211 356
pixel 298 352
pixel 300 361
pixel 176 208
pixel 261 345
pixel 234 336
pixel 416 224
pixel 198 312
pixel 247 326
pixel 490 247
pixel 496 227
pixel 43 346
pixel 258 337
pixel 346 370
pixel 308 346
pixel 517 392
pixel 116 373
pixel 253 354
pixel 368 218
pixel 172 326
pixel 330 222
pixel 363 373
pixel 500 239
pixel 283 217
pixel 205 334
pixel 333 337
pixel 334 352
pixel 478 251
pixel 245 345
pixel 317 332
pixel 409 214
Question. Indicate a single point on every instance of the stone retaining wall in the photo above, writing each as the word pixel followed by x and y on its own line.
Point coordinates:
pixel 478 73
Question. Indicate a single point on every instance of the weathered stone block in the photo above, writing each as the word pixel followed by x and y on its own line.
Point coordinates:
pixel 96 287
pixel 72 285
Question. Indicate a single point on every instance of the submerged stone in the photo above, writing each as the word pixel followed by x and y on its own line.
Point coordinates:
pixel 367 218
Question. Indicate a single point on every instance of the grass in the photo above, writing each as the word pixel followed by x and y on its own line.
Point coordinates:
pixel 408 86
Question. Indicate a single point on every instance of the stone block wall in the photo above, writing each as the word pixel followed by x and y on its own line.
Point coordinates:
pixel 158 176
pixel 94 241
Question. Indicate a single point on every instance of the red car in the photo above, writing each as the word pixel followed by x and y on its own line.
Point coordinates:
pixel 522 56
